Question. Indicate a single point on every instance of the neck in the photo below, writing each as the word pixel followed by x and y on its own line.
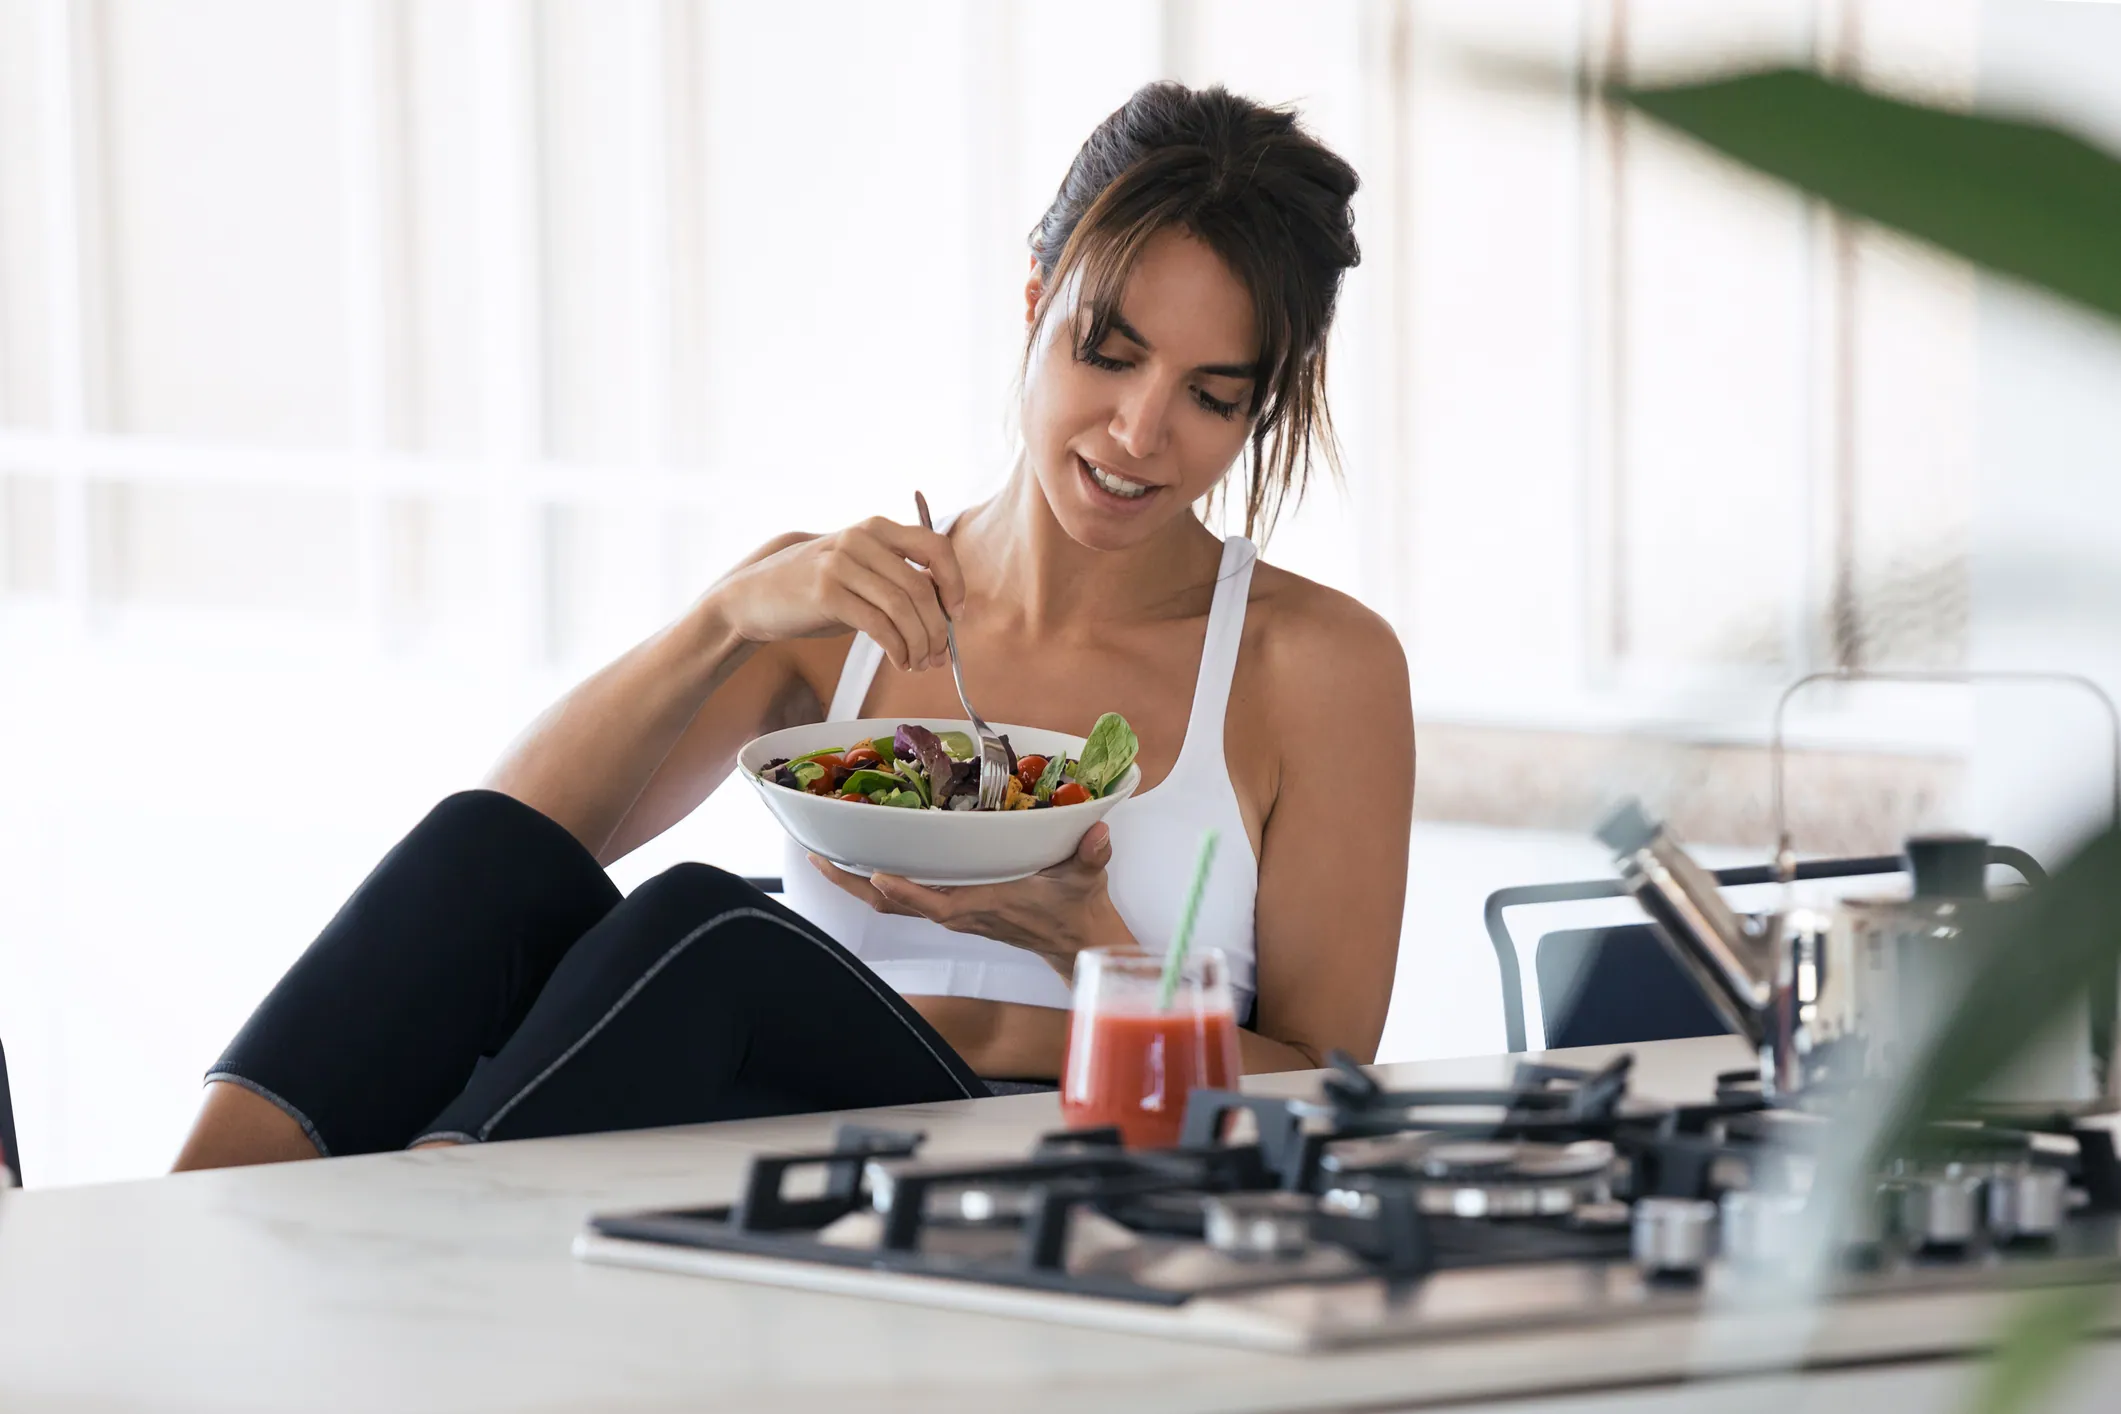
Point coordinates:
pixel 1034 574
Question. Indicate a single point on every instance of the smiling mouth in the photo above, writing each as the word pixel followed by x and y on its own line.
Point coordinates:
pixel 1111 483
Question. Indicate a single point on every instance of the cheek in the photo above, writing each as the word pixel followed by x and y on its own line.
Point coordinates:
pixel 1059 403
pixel 1212 448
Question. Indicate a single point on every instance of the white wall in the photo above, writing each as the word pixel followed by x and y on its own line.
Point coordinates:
pixel 2048 572
pixel 369 370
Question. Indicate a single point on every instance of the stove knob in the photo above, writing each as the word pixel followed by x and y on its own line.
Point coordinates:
pixel 1761 1229
pixel 1861 1225
pixel 1673 1237
pixel 1940 1211
pixel 1259 1226
pixel 2026 1202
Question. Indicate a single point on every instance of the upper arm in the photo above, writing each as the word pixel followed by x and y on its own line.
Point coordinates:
pixel 1333 857
pixel 776 687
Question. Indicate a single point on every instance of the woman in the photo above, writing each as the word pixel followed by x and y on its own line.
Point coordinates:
pixel 487 982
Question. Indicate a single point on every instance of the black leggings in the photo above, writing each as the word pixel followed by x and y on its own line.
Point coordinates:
pixel 488 982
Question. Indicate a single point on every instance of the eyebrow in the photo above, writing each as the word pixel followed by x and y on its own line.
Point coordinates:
pixel 1213 370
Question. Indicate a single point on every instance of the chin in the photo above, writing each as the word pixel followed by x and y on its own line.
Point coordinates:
pixel 1098 519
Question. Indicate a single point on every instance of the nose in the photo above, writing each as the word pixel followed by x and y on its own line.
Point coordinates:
pixel 1141 421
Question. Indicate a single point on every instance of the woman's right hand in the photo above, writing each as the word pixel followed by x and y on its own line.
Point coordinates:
pixel 878 577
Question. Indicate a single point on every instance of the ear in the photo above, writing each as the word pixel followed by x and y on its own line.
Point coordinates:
pixel 1033 289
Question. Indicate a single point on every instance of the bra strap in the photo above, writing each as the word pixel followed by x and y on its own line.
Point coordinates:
pixel 863 657
pixel 1218 653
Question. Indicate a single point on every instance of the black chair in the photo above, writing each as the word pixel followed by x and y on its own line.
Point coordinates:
pixel 762 884
pixel 12 1155
pixel 1618 985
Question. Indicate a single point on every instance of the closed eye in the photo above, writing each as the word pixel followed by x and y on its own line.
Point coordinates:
pixel 1222 408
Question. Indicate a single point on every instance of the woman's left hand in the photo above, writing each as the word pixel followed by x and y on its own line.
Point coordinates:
pixel 1056 913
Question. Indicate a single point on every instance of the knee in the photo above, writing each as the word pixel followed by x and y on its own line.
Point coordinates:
pixel 470 818
pixel 698 890
pixel 483 822
pixel 473 809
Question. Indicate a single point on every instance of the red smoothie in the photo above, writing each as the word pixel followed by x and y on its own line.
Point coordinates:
pixel 1136 1068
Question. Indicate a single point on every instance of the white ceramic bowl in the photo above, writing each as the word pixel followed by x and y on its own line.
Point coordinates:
pixel 940 847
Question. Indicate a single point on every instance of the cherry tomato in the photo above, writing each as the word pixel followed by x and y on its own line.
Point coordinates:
pixel 828 783
pixel 854 795
pixel 861 756
pixel 1029 769
pixel 1072 793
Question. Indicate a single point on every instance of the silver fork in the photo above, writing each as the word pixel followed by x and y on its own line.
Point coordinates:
pixel 993 755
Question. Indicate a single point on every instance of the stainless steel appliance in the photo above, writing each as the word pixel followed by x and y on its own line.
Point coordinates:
pixel 1834 996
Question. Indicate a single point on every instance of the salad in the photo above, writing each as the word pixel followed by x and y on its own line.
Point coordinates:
pixel 918 769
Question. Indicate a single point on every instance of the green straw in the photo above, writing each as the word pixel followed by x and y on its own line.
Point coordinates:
pixel 1182 941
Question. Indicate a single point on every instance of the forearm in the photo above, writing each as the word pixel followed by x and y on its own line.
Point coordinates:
pixel 1257 1053
pixel 585 761
pixel 1260 1053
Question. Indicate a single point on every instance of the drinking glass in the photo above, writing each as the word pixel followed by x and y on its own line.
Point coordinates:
pixel 1131 1063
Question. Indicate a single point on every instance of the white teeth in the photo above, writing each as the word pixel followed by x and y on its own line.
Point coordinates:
pixel 1117 485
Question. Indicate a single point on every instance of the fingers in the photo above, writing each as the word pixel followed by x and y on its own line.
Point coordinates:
pixel 905 896
pixel 919 593
pixel 1096 847
pixel 856 887
pixel 927 548
pixel 909 627
pixel 853 610
pixel 1092 854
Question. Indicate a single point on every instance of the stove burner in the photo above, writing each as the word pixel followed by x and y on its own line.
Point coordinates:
pixel 1469 1159
pixel 1252 1226
pixel 1365 1184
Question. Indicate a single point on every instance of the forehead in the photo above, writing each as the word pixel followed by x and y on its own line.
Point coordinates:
pixel 1188 303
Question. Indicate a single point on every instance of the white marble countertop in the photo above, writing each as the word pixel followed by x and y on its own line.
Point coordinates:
pixel 442 1280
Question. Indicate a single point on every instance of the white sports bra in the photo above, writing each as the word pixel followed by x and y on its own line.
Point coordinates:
pixel 1154 838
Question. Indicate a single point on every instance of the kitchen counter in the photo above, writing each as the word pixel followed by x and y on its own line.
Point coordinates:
pixel 442 1280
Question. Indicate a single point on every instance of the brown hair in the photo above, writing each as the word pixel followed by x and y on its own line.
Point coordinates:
pixel 1265 196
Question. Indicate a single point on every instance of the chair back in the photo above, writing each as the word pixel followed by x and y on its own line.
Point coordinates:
pixel 10 1153
pixel 1615 986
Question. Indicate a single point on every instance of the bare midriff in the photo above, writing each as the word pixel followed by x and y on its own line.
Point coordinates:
pixel 1000 1040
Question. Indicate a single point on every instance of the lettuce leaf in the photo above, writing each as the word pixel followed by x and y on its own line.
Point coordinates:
pixel 958 744
pixel 1049 779
pixel 1107 754
pixel 937 773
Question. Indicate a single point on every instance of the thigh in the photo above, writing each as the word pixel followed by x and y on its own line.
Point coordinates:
pixel 430 965
pixel 699 999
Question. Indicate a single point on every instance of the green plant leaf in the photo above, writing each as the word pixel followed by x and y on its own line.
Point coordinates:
pixel 2017 197
pixel 1049 779
pixel 867 781
pixel 958 744
pixel 2033 1352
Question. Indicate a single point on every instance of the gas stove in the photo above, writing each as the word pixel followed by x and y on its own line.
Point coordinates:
pixel 1368 1215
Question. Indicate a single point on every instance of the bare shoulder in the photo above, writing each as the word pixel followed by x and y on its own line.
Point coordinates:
pixel 1319 650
